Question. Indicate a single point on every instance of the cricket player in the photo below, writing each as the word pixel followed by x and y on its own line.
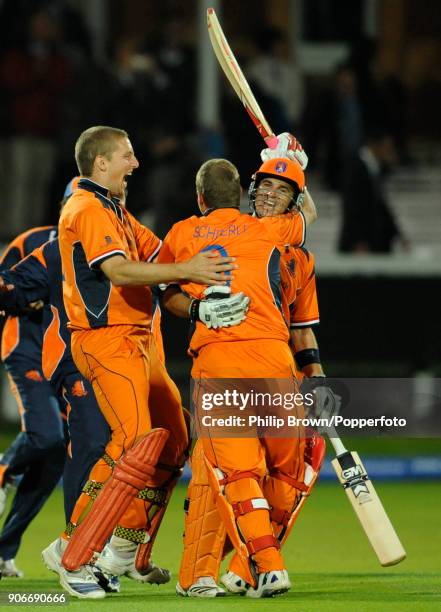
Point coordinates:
pixel 204 532
pixel 107 265
pixel 257 348
pixel 38 452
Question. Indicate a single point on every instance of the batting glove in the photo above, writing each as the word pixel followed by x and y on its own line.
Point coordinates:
pixel 289 147
pixel 220 308
pixel 326 403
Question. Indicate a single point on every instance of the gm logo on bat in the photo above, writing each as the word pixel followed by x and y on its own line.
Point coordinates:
pixel 353 472
pixel 356 474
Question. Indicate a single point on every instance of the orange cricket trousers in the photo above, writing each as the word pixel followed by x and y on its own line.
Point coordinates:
pixel 135 394
pixel 245 461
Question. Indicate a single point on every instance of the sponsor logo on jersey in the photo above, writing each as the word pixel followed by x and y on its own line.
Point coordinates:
pixel 78 389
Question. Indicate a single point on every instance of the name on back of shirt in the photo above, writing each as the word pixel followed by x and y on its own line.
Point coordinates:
pixel 207 231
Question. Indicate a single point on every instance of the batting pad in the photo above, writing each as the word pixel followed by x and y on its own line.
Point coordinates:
pixel 129 477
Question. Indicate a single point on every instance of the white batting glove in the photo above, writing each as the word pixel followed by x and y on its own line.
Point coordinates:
pixel 220 308
pixel 289 147
pixel 326 403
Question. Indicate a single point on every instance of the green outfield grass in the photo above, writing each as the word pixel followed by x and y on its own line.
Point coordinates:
pixel 331 564
pixel 365 446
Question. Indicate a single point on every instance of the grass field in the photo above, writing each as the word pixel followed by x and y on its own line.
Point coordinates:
pixel 331 564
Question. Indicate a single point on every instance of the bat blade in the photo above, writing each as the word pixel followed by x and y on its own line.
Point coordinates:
pixel 234 74
pixel 369 509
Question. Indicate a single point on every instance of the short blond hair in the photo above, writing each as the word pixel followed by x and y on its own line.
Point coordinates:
pixel 218 181
pixel 97 140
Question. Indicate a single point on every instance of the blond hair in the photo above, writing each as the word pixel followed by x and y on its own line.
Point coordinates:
pixel 97 140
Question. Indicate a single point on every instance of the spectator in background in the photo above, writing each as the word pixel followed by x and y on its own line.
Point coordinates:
pixel 369 224
pixel 135 97
pixel 279 77
pixel 172 152
pixel 33 77
pixel 344 125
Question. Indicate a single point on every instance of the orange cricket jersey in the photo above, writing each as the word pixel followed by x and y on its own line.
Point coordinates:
pixel 244 237
pixel 93 228
pixel 304 310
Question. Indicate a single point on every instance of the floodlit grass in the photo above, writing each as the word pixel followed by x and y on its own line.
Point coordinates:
pixel 331 564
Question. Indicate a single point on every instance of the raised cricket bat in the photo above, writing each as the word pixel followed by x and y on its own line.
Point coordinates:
pixel 234 74
pixel 366 504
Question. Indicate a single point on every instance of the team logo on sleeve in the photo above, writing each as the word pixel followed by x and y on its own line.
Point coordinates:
pixel 108 239
pixel 281 167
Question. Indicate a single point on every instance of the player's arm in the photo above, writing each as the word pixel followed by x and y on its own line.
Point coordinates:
pixel 306 351
pixel 204 268
pixel 25 284
pixel 304 314
pixel 176 302
pixel 104 250
pixel 309 209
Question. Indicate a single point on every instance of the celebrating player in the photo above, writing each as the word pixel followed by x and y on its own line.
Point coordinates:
pixel 257 348
pixel 106 257
pixel 38 452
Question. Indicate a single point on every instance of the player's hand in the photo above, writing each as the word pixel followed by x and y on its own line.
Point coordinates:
pixel 208 268
pixel 220 308
pixel 326 403
pixel 289 147
pixel 5 287
pixel 38 305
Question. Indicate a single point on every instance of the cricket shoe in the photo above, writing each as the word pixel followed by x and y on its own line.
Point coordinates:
pixel 119 557
pixel 8 569
pixel 234 583
pixel 109 583
pixel 205 586
pixel 270 584
pixel 81 583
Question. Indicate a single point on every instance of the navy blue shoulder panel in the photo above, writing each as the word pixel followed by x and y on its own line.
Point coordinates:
pixel 94 288
pixel 274 277
pixel 39 237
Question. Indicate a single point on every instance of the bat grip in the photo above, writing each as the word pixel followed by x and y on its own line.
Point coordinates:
pixel 336 442
pixel 272 141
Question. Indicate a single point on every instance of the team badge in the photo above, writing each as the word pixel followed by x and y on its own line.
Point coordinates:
pixel 281 167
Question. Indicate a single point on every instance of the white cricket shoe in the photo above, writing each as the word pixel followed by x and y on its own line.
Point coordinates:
pixel 81 583
pixel 8 569
pixel 270 584
pixel 119 557
pixel 52 554
pixel 205 586
pixel 234 583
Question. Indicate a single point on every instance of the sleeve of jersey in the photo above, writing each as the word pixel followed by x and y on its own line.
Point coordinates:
pixel 98 236
pixel 11 256
pixel 167 255
pixel 30 281
pixel 288 229
pixel 30 276
pixel 148 244
pixel 304 312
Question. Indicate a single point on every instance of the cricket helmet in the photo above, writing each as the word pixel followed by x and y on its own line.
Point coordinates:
pixel 284 169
